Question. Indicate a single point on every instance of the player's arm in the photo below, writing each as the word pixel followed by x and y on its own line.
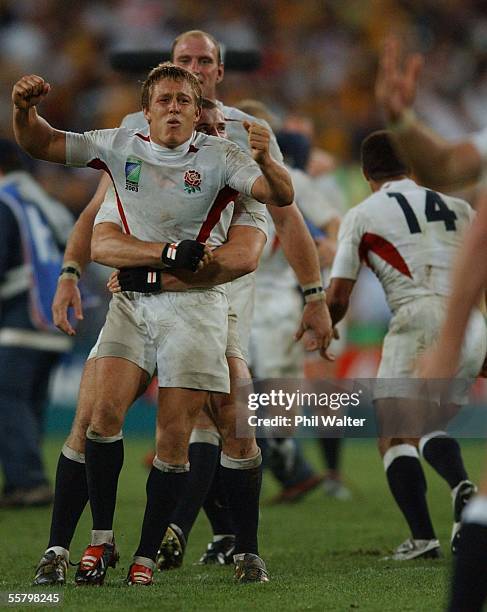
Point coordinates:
pixel 346 266
pixel 275 186
pixel 77 255
pixel 238 256
pixel 436 162
pixel 111 247
pixel 32 132
pixel 468 286
pixel 338 297
pixel 300 252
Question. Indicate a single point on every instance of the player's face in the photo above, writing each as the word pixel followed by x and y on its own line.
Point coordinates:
pixel 199 55
pixel 172 112
pixel 212 122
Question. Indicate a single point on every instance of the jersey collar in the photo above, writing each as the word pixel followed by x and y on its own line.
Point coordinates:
pixel 401 184
pixel 177 151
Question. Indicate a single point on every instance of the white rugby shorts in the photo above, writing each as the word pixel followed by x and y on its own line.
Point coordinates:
pixel 413 329
pixel 184 334
pixel 273 351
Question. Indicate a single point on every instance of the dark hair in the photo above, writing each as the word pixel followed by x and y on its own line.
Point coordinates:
pixel 380 158
pixel 201 34
pixel 11 157
pixel 174 73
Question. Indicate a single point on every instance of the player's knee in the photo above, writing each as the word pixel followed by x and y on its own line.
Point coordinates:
pixel 107 418
pixel 173 441
pixel 239 448
pixel 76 442
pixel 173 451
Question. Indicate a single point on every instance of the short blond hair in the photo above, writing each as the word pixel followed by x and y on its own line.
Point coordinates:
pixel 173 73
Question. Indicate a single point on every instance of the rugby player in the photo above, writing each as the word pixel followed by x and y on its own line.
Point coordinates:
pixel 295 240
pixel 170 99
pixel 238 256
pixel 223 543
pixel 409 235
pixel 200 52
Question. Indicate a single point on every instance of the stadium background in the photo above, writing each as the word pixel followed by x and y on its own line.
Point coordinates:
pixel 319 59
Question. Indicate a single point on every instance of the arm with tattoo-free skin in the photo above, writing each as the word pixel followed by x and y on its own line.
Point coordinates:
pixel 33 133
pixel 300 251
pixel 338 298
pixel 238 256
pixel 78 255
pixel 437 163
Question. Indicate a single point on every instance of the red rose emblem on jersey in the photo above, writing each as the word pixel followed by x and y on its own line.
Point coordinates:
pixel 192 181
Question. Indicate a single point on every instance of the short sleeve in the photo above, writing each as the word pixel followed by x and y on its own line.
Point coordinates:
pixel 134 121
pixel 347 259
pixel 108 212
pixel 251 213
pixel 241 170
pixel 83 148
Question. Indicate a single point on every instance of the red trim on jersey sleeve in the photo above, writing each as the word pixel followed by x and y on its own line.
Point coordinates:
pixel 385 250
pixel 224 197
pixel 146 138
pixel 98 164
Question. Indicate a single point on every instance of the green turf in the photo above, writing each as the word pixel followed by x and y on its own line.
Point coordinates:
pixel 322 554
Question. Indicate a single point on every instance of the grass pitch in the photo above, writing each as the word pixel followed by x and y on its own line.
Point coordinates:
pixel 322 554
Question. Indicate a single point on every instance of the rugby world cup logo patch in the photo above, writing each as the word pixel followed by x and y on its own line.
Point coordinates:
pixel 133 166
pixel 192 181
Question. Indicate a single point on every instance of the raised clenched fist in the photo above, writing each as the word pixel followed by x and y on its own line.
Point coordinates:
pixel 29 91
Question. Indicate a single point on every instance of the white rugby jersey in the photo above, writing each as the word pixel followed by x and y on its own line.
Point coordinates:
pixel 167 195
pixel 248 211
pixel 241 212
pixel 407 235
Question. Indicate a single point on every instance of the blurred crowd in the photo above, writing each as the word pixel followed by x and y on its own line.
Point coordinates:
pixel 319 59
